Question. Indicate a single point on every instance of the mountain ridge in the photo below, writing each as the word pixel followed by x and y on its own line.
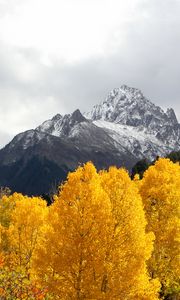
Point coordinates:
pixel 120 130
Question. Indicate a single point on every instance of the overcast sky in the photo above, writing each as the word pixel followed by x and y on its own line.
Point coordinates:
pixel 59 55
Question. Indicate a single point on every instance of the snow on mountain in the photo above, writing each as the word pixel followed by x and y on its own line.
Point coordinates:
pixel 121 130
pixel 27 139
pixel 61 125
pixel 138 142
pixel 126 123
pixel 138 124
pixel 128 106
pixel 129 119
pixel 82 132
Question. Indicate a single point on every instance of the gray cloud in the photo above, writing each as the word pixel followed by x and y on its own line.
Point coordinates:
pixel 148 58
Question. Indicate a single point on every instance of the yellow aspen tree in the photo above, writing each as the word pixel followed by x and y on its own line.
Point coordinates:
pixel 20 230
pixel 27 219
pixel 7 204
pixel 130 246
pixel 160 191
pixel 71 258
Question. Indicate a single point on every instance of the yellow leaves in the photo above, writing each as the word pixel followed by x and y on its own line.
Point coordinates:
pixel 96 238
pixel 27 218
pixel 21 227
pixel 160 191
pixel 94 241
pixel 7 204
pixel 15 285
pixel 80 221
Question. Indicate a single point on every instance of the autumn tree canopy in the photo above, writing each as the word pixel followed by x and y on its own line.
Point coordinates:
pixel 130 246
pixel 97 239
pixel 21 221
pixel 104 237
pixel 160 191
pixel 77 237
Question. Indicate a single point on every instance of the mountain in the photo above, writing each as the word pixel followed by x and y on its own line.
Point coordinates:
pixel 119 131
pixel 128 106
pixel 141 126
pixel 36 160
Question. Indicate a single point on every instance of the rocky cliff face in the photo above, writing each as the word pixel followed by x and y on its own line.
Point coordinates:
pixel 128 106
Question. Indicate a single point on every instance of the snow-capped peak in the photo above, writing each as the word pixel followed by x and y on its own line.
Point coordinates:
pixel 62 125
pixel 129 120
pixel 128 106
pixel 171 116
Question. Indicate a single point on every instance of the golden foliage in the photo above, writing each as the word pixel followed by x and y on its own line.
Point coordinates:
pixel 21 220
pixel 77 238
pixel 130 246
pixel 105 237
pixel 160 191
pixel 96 237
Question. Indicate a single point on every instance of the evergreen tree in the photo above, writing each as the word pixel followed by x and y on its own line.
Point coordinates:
pixel 140 167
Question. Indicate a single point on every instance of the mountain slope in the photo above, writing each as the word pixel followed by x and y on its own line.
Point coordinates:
pixel 50 157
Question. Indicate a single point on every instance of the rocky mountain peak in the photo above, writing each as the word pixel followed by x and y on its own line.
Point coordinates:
pixel 77 116
pixel 172 116
pixel 57 117
pixel 131 90
pixel 62 125
pixel 124 94
pixel 128 106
